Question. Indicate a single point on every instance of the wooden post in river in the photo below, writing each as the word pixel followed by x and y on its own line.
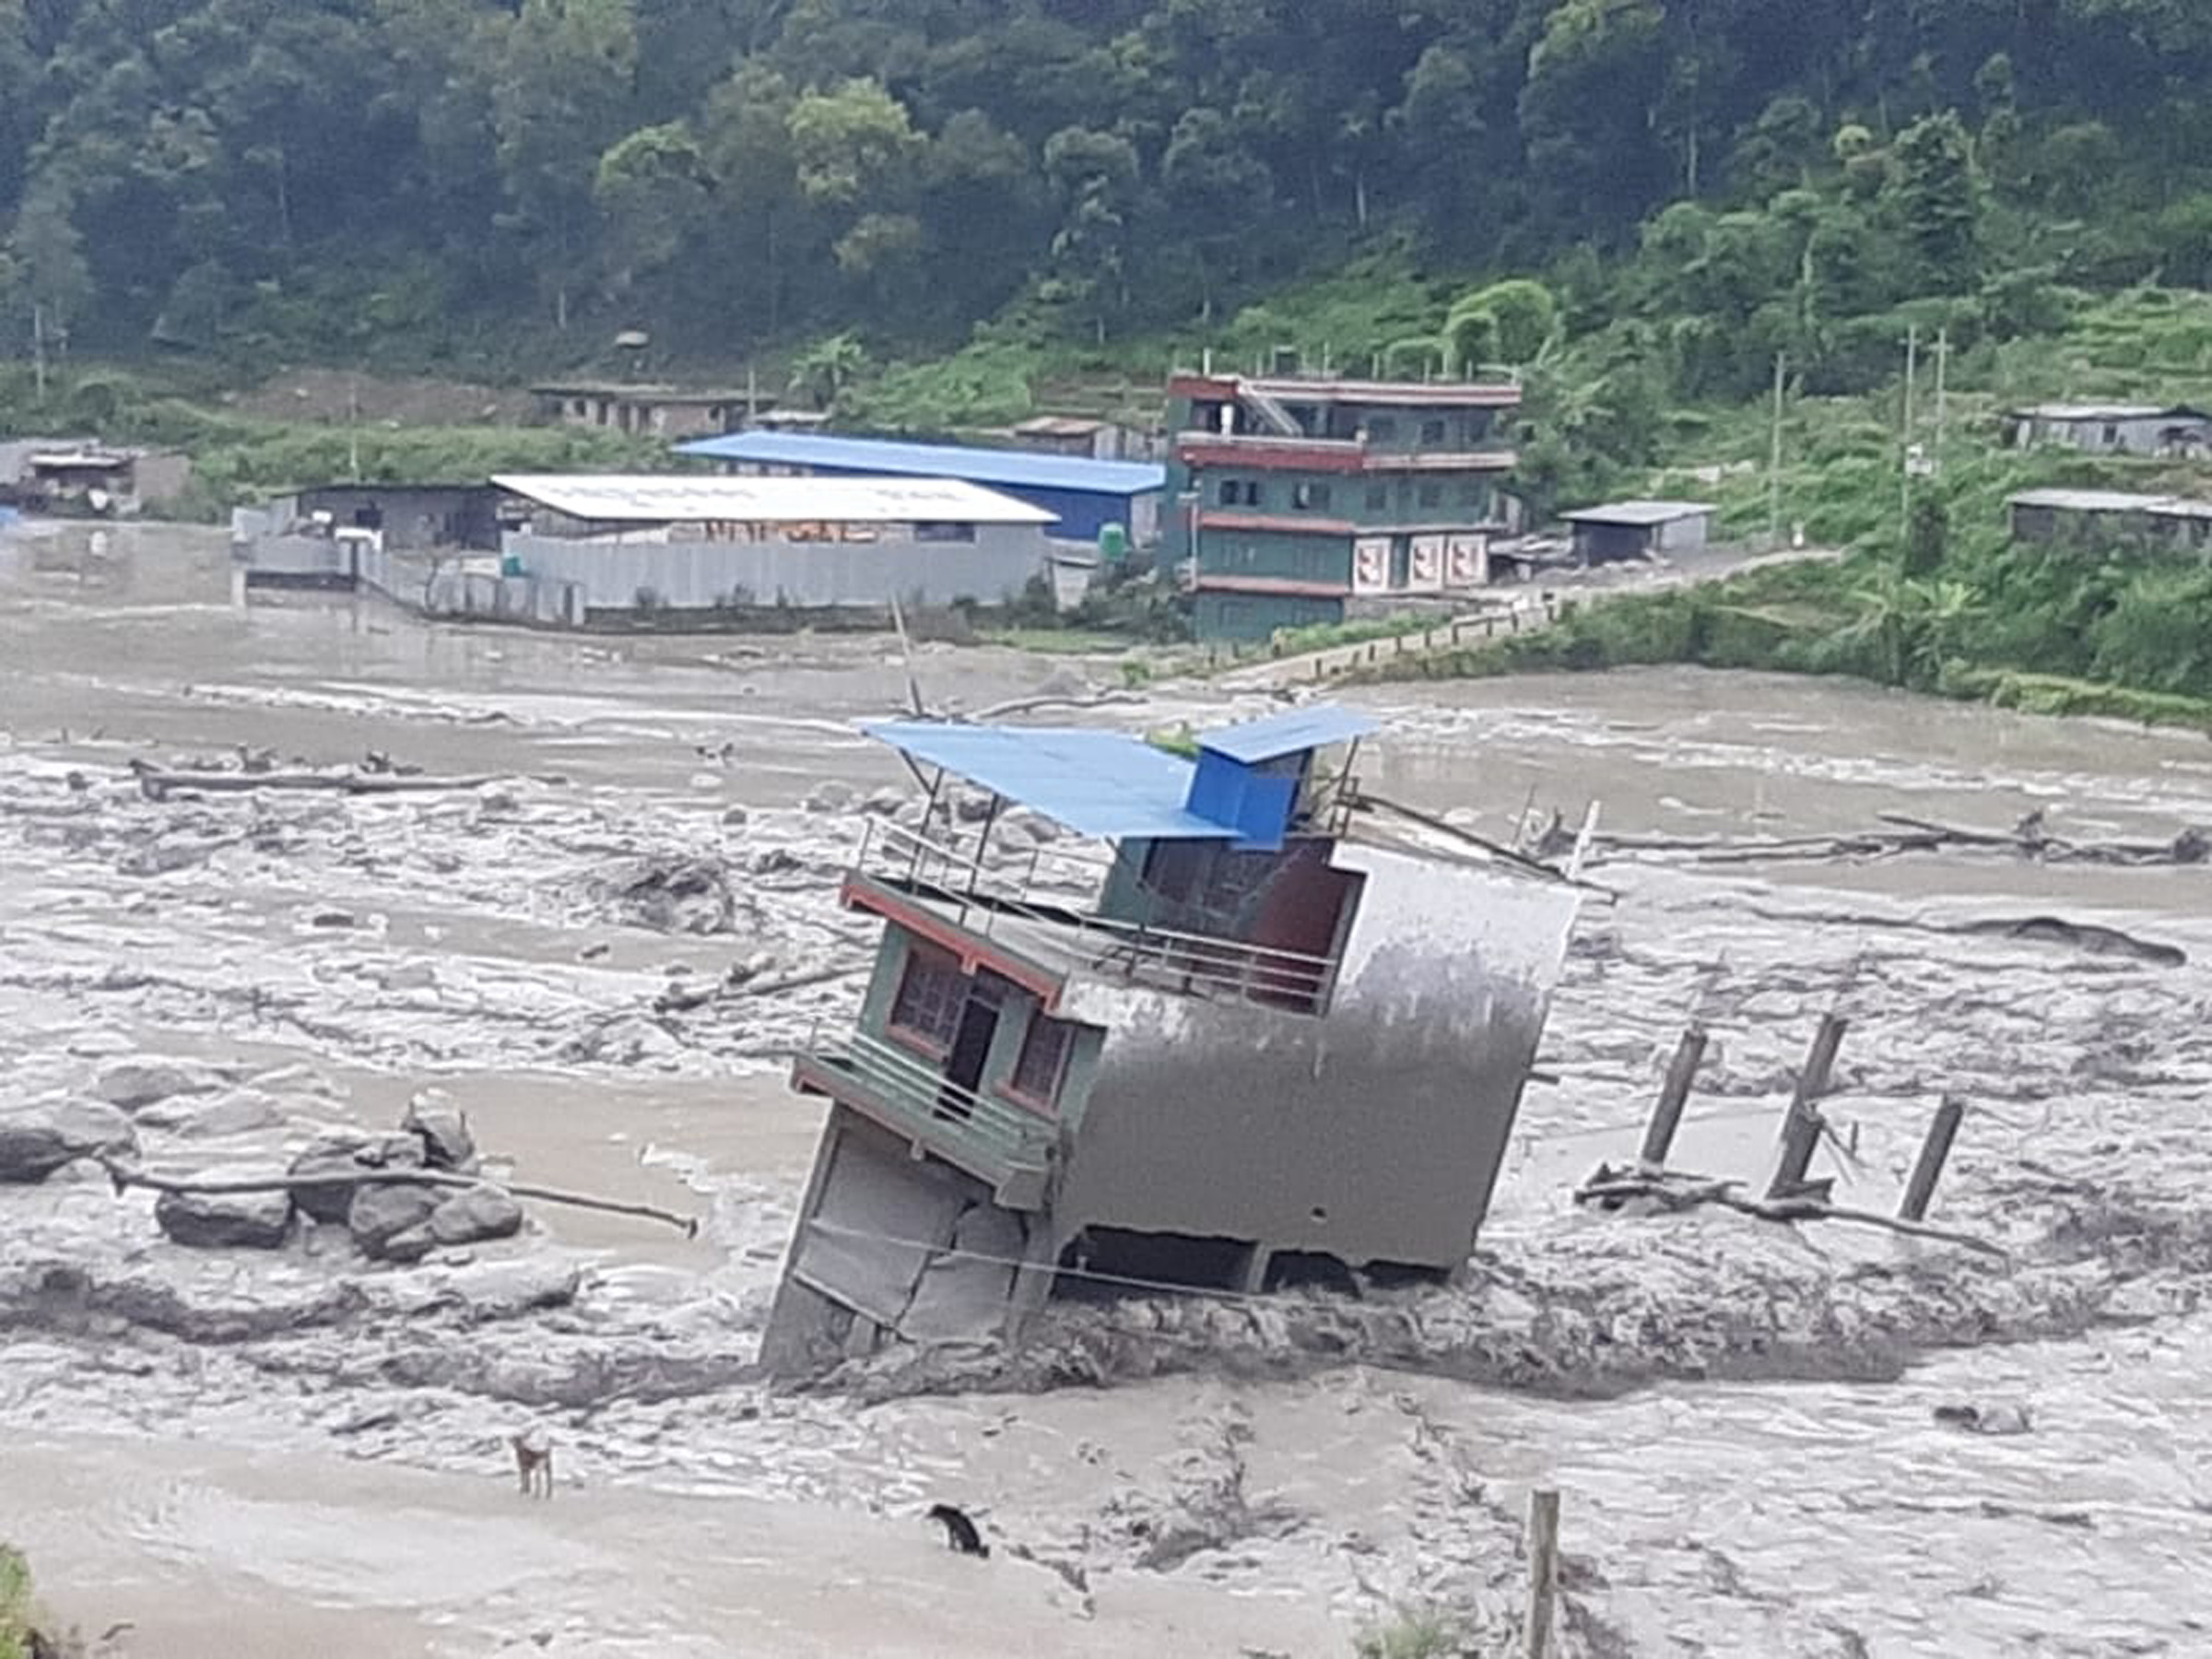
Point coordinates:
pixel 1801 1130
pixel 1933 1151
pixel 1543 1573
pixel 1673 1094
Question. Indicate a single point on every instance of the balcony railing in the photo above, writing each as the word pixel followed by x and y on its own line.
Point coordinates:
pixel 1002 902
pixel 991 1138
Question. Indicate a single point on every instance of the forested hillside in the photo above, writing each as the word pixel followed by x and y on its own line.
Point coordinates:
pixel 333 177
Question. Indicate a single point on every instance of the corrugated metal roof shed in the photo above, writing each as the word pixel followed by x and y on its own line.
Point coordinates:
pixel 1637 512
pixel 1256 741
pixel 2112 500
pixel 1101 783
pixel 668 498
pixel 2089 412
pixel 1024 467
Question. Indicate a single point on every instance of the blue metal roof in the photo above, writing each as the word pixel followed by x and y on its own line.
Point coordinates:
pixel 1098 783
pixel 1310 728
pixel 1022 468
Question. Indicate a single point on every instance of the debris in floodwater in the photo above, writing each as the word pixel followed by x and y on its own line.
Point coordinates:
pixel 676 896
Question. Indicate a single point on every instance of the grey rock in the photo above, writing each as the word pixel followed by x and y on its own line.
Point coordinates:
pixel 831 796
pixel 227 1220
pixel 677 896
pixel 381 1213
pixel 443 1130
pixel 409 976
pixel 242 1111
pixel 132 1084
pixel 886 802
pixel 348 1152
pixel 37 1139
pixel 409 1244
pixel 485 1212
pixel 736 818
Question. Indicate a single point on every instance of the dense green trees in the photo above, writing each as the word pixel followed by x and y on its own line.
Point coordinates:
pixel 204 173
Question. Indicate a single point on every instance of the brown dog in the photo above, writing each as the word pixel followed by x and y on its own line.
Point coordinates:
pixel 534 1463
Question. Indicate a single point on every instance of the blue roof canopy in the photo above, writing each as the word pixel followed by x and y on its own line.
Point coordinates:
pixel 1258 741
pixel 1101 783
pixel 1116 787
pixel 1020 467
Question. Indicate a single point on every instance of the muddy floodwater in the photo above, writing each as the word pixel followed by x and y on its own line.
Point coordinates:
pixel 243 1453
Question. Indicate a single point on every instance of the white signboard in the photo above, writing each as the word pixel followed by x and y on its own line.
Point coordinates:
pixel 1371 565
pixel 1425 569
pixel 1468 561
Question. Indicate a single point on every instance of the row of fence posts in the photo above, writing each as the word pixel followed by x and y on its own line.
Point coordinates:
pixel 1802 1130
pixel 1328 663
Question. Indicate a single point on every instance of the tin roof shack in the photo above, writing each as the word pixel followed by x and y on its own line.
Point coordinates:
pixel 99 482
pixel 1086 438
pixel 650 411
pixel 2111 521
pixel 661 543
pixel 2114 428
pixel 1649 530
pixel 1084 496
pixel 1239 1038
pixel 410 517
pixel 320 538
pixel 1299 501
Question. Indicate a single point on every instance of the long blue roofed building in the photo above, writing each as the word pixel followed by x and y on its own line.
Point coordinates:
pixel 1085 496
pixel 1214 1020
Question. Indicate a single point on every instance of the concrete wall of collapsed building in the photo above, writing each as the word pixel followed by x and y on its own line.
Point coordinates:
pixel 891 1244
pixel 689 575
pixel 1372 1133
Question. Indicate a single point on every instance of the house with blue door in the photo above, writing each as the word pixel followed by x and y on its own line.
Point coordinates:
pixel 1085 496
pixel 1209 1019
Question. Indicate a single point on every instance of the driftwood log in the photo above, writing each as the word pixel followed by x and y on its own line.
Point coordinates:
pixel 1903 833
pixel 157 785
pixel 126 1177
pixel 1675 1191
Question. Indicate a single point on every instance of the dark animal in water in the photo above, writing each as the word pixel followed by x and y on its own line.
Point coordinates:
pixel 1986 1420
pixel 533 1461
pixel 959 1532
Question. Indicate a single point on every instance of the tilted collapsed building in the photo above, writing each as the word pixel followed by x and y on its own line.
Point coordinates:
pixel 1262 1039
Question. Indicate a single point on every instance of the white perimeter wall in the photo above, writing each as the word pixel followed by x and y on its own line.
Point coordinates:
pixel 697 575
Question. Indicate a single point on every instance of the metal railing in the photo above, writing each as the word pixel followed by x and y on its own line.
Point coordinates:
pixel 930 1104
pixel 1195 964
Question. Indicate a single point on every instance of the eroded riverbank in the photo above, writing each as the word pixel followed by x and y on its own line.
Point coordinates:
pixel 1308 1463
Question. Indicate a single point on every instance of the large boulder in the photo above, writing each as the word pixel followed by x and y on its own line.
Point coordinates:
pixel 381 1213
pixel 228 1220
pixel 37 1139
pixel 240 1111
pixel 348 1152
pixel 443 1129
pixel 132 1084
pixel 484 1212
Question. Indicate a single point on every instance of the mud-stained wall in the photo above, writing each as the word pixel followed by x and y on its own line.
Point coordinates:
pixel 686 575
pixel 1374 1132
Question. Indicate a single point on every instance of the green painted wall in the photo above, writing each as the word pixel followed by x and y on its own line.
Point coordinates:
pixel 1278 553
pixel 1257 616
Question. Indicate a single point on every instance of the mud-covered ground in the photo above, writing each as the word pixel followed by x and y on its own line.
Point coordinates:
pixel 306 1448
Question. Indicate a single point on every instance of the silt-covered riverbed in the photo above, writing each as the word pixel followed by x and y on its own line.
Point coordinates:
pixel 245 1453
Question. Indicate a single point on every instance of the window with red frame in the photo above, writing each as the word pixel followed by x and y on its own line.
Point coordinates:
pixel 931 994
pixel 1043 1060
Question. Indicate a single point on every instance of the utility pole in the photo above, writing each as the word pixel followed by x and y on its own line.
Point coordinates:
pixel 1905 517
pixel 38 347
pixel 1774 457
pixel 1942 364
pixel 353 430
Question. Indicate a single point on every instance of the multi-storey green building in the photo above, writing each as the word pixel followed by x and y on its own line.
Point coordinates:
pixel 1294 500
